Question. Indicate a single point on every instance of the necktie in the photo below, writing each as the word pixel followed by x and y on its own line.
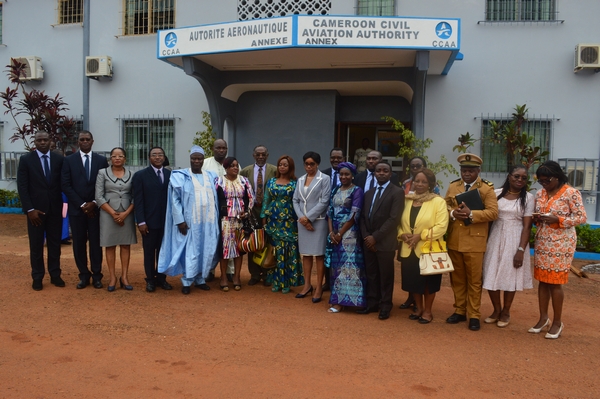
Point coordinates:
pixel 335 179
pixel 377 198
pixel 372 181
pixel 259 186
pixel 467 187
pixel 160 178
pixel 86 166
pixel 46 168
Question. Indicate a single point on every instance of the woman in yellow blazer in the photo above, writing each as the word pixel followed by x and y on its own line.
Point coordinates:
pixel 425 215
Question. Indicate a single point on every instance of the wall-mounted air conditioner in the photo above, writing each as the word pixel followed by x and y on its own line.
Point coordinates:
pixel 98 66
pixel 33 67
pixel 583 177
pixel 587 56
pixel 395 163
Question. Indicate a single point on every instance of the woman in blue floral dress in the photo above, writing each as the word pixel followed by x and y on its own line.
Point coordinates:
pixel 280 223
pixel 343 255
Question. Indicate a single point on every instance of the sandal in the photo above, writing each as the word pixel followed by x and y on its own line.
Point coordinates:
pixel 224 288
pixel 425 321
pixel 237 287
pixel 333 309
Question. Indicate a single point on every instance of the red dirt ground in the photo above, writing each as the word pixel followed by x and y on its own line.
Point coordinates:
pixel 65 343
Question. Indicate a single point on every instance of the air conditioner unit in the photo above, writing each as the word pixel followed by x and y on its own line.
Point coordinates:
pixel 583 177
pixel 395 163
pixel 33 67
pixel 10 168
pixel 587 56
pixel 98 66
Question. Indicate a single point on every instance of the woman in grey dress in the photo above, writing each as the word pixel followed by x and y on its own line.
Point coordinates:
pixel 117 227
pixel 311 200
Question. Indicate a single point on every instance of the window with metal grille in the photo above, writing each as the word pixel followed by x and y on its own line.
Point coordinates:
pixel 495 158
pixel 148 16
pixel 255 9
pixel 520 10
pixel 376 7
pixel 1 24
pixel 70 11
pixel 141 134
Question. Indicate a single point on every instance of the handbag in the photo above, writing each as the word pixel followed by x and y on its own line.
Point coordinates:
pixel 252 237
pixel 265 258
pixel 434 258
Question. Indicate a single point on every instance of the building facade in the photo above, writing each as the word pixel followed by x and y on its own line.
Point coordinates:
pixel 313 79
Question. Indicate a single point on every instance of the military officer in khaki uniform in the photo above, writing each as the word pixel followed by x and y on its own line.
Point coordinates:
pixel 467 242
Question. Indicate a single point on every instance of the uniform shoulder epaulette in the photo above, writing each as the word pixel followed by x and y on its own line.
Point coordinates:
pixel 489 183
pixel 454 181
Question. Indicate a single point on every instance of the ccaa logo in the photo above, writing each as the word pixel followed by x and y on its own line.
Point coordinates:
pixel 443 30
pixel 170 40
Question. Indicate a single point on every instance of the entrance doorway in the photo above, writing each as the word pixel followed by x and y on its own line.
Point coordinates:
pixel 381 137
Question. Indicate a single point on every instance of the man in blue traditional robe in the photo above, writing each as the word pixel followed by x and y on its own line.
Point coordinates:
pixel 191 237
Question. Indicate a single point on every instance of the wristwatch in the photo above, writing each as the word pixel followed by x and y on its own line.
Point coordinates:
pixel 521 249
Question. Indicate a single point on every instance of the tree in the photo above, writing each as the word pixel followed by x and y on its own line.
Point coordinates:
pixel 411 146
pixel 205 138
pixel 41 111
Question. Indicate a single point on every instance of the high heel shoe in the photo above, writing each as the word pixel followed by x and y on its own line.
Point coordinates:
pixel 407 304
pixel 224 288
pixel 300 296
pixel 534 330
pixel 111 288
pixel 555 336
pixel 316 300
pixel 126 286
pixel 237 287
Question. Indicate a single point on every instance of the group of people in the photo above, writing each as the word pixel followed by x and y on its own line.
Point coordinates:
pixel 350 225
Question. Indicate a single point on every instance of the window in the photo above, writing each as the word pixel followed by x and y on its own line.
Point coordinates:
pixel 376 7
pixel 520 10
pixel 494 156
pixel 139 135
pixel 255 9
pixel 70 11
pixel 148 16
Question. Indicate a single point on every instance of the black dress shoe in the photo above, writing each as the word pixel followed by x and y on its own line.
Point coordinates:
pixel 185 290
pixel 165 286
pixel 97 284
pixel 407 304
pixel 474 325
pixel 150 287
pixel 57 281
pixel 211 277
pixel 37 285
pixel 230 277
pixel 367 310
pixel 82 284
pixel 384 315
pixel 203 287
pixel 253 281
pixel 456 318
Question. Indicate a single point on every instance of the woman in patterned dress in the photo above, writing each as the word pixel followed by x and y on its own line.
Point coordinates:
pixel 506 263
pixel 235 199
pixel 343 255
pixel 558 209
pixel 280 221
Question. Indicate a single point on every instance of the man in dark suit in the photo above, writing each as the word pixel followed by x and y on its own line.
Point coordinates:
pixel 38 183
pixel 258 174
pixel 367 180
pixel 150 191
pixel 383 207
pixel 79 173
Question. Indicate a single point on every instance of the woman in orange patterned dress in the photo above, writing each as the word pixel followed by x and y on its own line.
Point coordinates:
pixel 558 209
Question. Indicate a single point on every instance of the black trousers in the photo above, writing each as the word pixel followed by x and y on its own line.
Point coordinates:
pixel 51 231
pixel 151 244
pixel 86 231
pixel 380 279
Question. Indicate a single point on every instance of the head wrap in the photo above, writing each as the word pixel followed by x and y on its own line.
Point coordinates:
pixel 197 149
pixel 347 165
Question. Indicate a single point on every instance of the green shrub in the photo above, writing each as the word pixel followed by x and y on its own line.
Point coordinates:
pixel 532 237
pixel 10 198
pixel 588 238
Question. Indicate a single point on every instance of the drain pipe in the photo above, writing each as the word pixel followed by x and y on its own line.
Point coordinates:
pixel 86 52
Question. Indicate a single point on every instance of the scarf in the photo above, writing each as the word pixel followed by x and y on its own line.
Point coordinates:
pixel 421 197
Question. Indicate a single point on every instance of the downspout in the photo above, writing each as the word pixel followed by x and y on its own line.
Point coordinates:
pixel 86 52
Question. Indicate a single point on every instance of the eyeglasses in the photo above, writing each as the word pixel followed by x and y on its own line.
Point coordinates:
pixel 117 156
pixel 416 165
pixel 520 177
pixel 544 182
pixel 310 163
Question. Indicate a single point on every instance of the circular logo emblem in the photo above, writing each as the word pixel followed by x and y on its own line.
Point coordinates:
pixel 443 30
pixel 170 40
